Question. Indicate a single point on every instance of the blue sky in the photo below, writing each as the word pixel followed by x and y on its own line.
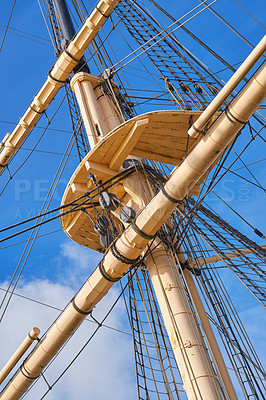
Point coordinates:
pixel 56 266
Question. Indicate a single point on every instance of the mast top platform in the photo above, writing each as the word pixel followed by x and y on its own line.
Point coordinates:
pixel 158 136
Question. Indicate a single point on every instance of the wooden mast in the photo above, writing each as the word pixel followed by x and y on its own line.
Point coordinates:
pixel 131 244
pixel 195 367
pixel 66 62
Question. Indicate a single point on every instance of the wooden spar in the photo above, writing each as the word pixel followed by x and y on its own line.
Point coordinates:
pixel 130 244
pixel 214 259
pixel 238 76
pixel 94 107
pixel 32 335
pixel 198 376
pixel 57 76
pixel 221 368
pixel 193 361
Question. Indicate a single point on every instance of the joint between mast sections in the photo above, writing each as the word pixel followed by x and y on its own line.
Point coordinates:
pixel 122 258
pixel 107 276
pixel 197 130
pixel 78 309
pixel 54 79
pixel 232 118
pixel 105 16
pixel 27 372
pixel 119 257
pixel 164 192
pixel 70 55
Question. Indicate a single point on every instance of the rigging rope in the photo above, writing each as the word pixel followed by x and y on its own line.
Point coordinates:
pixel 34 147
pixel 230 27
pixel 100 324
pixel 29 242
pixel 165 36
pixel 250 14
pixel 18 32
pixel 76 207
pixel 7 25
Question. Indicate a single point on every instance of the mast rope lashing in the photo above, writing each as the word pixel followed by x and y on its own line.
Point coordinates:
pixel 231 117
pixel 140 232
pixel 121 257
pixel 196 129
pixel 37 112
pixel 70 55
pixel 105 16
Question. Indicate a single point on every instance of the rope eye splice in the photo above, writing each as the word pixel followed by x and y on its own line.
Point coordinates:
pixel 102 228
pixel 108 201
pixel 102 225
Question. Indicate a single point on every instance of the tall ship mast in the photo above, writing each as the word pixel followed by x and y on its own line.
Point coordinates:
pixel 134 256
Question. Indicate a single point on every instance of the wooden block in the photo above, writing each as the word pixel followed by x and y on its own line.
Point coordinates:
pixel 79 188
pixel 100 170
pixel 128 143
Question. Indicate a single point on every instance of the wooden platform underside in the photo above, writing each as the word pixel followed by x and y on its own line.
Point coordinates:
pixel 158 136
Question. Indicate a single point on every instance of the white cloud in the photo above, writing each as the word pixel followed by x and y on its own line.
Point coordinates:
pixel 104 369
pixel 79 256
pixel 74 263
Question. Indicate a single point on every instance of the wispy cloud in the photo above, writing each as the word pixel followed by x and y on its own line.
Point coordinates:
pixel 74 263
pixel 105 367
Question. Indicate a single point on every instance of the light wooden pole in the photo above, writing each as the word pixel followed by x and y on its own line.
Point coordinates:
pixel 199 379
pixel 57 77
pixel 198 376
pixel 214 259
pixel 32 335
pixel 131 244
pixel 224 93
